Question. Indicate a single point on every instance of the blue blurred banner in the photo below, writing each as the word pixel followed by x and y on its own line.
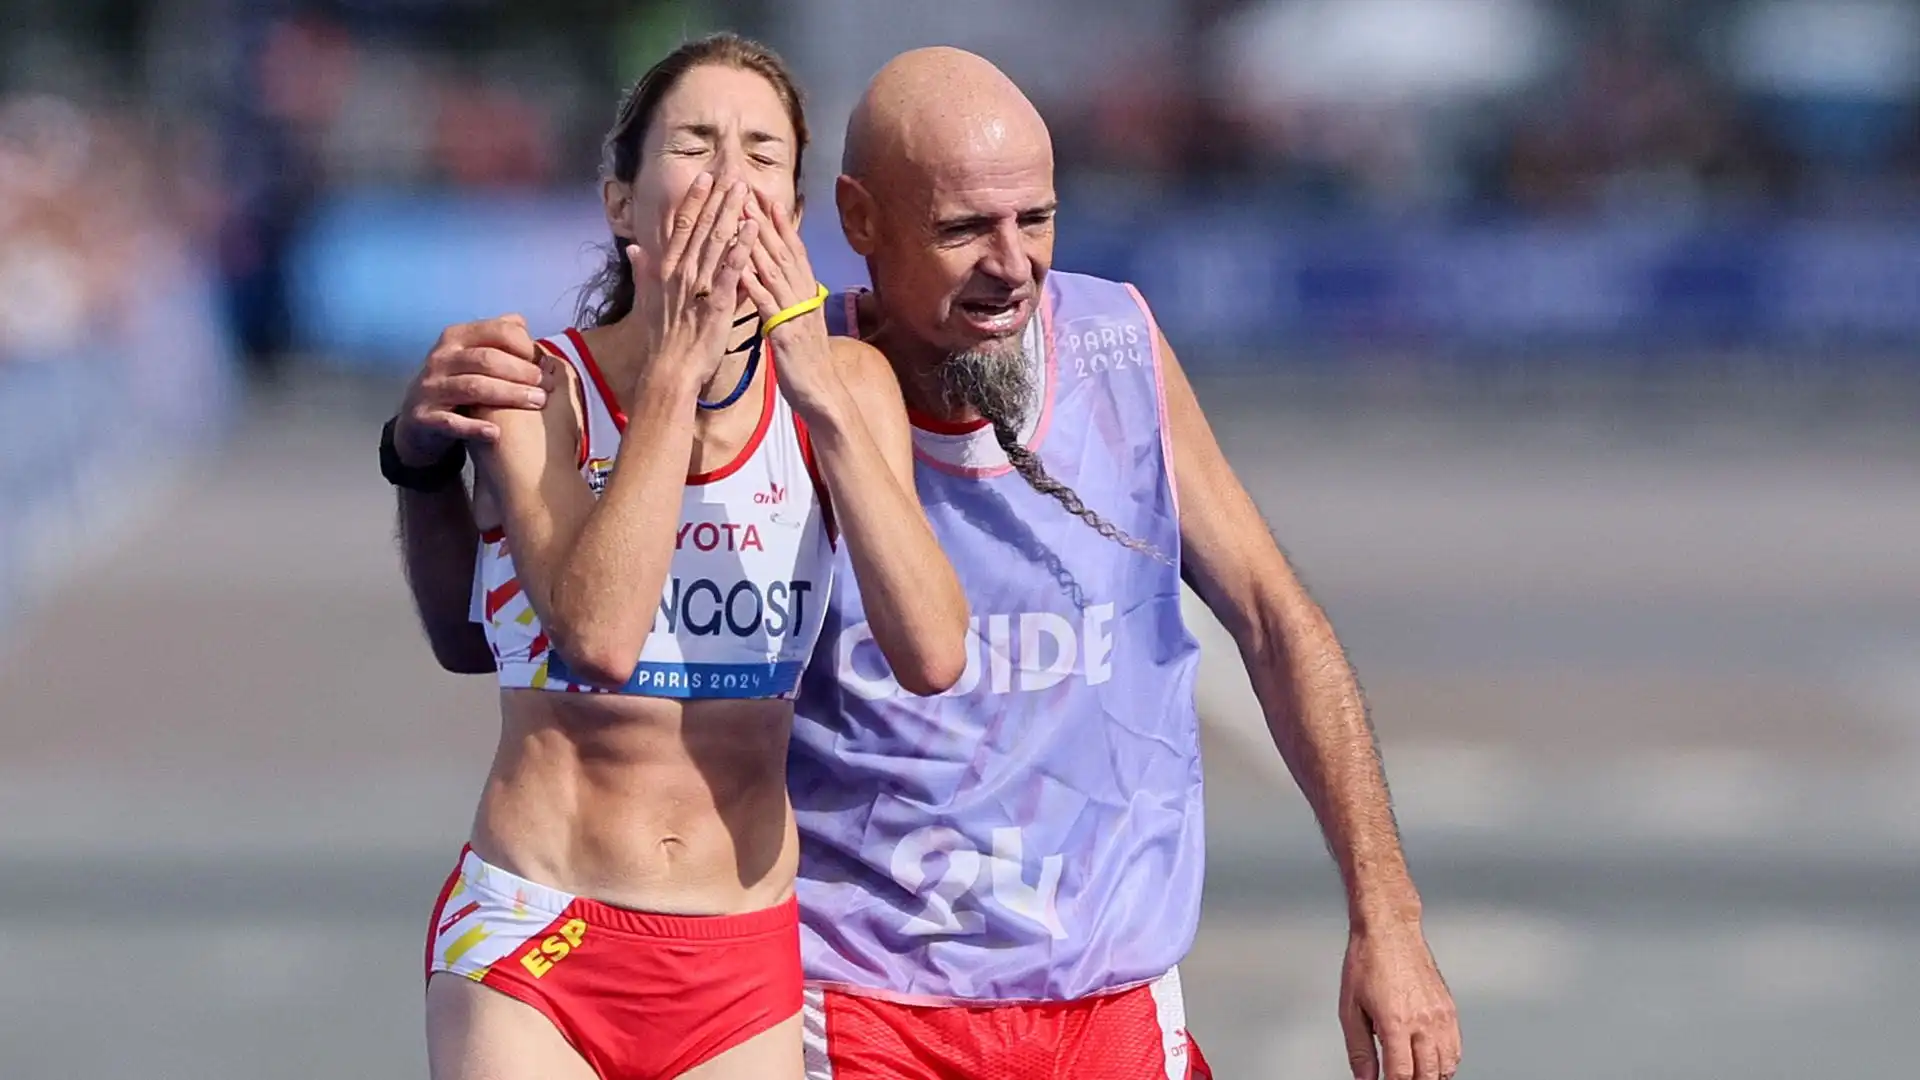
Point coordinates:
pixel 84 427
pixel 378 276
pixel 1237 282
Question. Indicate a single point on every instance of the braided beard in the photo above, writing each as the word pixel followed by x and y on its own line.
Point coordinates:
pixel 997 382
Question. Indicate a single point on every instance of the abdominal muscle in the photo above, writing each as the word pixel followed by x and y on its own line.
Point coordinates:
pixel 656 804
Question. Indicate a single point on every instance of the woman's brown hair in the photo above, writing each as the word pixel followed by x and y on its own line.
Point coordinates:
pixel 609 296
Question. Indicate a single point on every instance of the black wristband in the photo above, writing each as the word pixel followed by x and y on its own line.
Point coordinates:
pixel 438 476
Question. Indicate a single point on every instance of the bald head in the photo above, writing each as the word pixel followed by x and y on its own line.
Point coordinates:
pixel 947 193
pixel 928 108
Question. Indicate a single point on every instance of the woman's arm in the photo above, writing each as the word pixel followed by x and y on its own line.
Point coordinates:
pixel 593 570
pixel 598 567
pixel 850 399
pixel 864 447
pixel 602 570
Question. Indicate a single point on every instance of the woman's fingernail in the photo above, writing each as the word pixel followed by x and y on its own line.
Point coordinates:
pixel 537 398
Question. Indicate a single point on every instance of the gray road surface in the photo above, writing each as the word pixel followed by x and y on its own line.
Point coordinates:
pixel 1653 718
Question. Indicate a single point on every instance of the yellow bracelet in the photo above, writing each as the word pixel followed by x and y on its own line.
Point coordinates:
pixel 794 312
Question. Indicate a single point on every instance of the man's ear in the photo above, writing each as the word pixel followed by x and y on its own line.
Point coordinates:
pixel 859 217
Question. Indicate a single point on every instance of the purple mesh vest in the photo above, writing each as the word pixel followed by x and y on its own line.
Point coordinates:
pixel 1036 832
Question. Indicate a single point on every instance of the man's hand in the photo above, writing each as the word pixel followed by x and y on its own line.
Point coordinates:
pixel 489 363
pixel 1391 991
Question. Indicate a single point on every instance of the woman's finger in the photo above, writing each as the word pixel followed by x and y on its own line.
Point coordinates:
pixel 731 274
pixel 760 210
pixel 685 218
pixel 741 255
pixel 789 235
pixel 793 259
pixel 722 233
pixel 767 268
pixel 649 278
pixel 765 301
pixel 711 235
pixel 640 264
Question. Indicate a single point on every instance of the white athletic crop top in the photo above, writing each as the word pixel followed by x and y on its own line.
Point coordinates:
pixel 752 564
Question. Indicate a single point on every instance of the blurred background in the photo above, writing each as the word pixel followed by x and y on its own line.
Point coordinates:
pixel 1572 348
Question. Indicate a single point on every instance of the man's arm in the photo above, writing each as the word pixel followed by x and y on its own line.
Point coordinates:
pixel 481 364
pixel 1299 670
pixel 438 544
pixel 1391 989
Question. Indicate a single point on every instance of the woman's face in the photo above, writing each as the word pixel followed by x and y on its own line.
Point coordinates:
pixel 717 119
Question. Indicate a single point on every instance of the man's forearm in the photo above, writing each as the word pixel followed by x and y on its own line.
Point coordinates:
pixel 438 543
pixel 1318 717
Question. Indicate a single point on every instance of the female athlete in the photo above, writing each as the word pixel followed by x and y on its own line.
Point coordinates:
pixel 663 545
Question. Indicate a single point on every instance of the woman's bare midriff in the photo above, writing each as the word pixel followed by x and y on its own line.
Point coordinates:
pixel 654 804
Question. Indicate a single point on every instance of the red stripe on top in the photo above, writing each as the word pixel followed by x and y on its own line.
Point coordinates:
pixel 599 382
pixel 493 535
pixel 620 417
pixel 813 472
pixel 945 427
pixel 759 431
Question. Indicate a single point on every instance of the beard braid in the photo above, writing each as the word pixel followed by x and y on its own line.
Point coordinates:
pixel 995 381
pixel 998 384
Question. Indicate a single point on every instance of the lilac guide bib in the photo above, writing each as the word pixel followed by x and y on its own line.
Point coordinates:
pixel 1036 833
